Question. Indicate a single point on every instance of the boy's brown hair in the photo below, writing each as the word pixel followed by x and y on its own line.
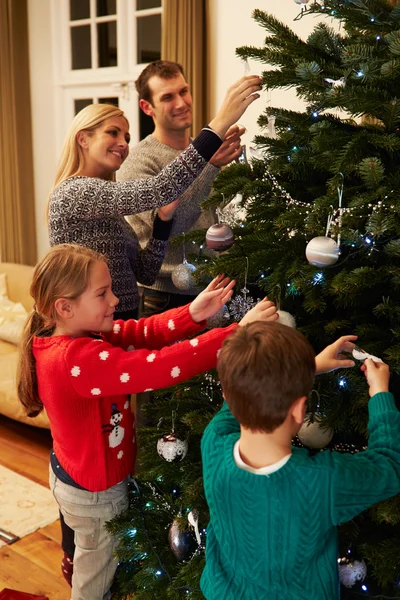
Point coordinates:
pixel 165 69
pixel 263 368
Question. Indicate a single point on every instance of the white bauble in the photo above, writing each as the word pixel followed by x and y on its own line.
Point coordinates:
pixel 219 237
pixel 302 1
pixel 313 434
pixel 286 318
pixel 351 571
pixel 182 276
pixel 172 448
pixel 322 251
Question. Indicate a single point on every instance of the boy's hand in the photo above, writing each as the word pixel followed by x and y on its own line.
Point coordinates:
pixel 331 358
pixel 210 300
pixel 262 311
pixel 377 376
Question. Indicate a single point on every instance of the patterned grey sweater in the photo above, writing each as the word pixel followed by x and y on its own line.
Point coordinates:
pixel 90 212
pixel 145 160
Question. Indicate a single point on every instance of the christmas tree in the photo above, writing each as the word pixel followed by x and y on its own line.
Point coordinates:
pixel 315 212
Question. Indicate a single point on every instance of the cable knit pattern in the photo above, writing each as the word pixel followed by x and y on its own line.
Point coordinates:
pixel 275 536
pixel 84 385
pixel 145 160
pixel 90 212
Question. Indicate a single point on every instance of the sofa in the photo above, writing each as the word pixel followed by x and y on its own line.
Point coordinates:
pixel 15 282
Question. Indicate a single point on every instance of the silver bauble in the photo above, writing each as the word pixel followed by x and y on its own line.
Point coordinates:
pixel 286 318
pixel 313 434
pixel 351 571
pixel 182 276
pixel 322 251
pixel 220 319
pixel 172 448
pixel 182 543
pixel 219 237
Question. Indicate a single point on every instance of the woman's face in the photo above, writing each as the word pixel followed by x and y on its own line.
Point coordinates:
pixel 106 148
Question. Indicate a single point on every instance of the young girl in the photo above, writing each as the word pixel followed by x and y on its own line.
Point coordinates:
pixel 81 365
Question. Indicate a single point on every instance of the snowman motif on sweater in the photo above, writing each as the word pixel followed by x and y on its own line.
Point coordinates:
pixel 114 429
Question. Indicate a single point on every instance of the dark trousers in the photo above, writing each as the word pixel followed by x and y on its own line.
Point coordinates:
pixel 67 534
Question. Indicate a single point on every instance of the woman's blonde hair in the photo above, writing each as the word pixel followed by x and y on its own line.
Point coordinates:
pixel 72 160
pixel 62 273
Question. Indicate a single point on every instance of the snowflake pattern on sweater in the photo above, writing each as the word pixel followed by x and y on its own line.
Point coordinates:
pixel 84 385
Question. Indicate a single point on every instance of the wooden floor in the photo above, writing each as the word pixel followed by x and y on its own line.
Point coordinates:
pixel 32 564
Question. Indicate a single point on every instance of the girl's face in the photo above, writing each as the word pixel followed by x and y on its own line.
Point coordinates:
pixel 106 148
pixel 94 310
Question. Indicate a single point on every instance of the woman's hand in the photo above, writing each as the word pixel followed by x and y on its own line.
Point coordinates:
pixel 238 97
pixel 331 358
pixel 262 311
pixel 210 300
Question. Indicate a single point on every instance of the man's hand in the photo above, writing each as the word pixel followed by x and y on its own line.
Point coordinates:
pixel 231 147
pixel 377 376
pixel 331 358
pixel 210 300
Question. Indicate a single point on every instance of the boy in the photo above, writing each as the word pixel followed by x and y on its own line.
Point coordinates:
pixel 273 507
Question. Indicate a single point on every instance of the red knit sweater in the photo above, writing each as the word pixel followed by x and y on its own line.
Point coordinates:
pixel 84 385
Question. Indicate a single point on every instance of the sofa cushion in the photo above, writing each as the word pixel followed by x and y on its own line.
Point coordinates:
pixel 12 320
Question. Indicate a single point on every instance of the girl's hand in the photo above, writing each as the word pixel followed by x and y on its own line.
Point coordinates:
pixel 331 358
pixel 210 300
pixel 238 97
pixel 263 311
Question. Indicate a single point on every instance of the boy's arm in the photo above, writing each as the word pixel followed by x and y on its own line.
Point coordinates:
pixel 360 480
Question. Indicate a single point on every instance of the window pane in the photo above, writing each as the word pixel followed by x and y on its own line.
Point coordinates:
pixel 81 103
pixel 107 44
pixel 79 9
pixel 80 43
pixel 149 39
pixel 114 101
pixel 143 4
pixel 106 7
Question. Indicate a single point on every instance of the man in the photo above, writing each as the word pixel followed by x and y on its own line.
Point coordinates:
pixel 164 95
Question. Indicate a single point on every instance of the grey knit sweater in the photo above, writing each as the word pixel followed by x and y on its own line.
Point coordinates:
pixel 90 212
pixel 145 160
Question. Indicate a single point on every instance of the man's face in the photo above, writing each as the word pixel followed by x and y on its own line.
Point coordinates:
pixel 171 105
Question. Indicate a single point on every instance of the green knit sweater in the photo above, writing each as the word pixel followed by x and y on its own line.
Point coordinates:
pixel 274 537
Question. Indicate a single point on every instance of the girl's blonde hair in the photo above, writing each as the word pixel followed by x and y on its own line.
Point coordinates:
pixel 72 160
pixel 62 273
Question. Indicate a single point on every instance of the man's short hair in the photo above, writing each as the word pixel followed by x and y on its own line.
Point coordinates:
pixel 165 69
pixel 263 368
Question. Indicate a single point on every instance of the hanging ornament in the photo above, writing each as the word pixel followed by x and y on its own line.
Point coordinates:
pixel 257 153
pixel 220 319
pixel 336 83
pixel 242 303
pixel 193 518
pixel 361 355
pixel 182 275
pixel 233 213
pixel 271 132
pixel 302 1
pixel 351 571
pixel 170 447
pixel 182 543
pixel 324 251
pixel 286 318
pixel 313 434
pixel 219 236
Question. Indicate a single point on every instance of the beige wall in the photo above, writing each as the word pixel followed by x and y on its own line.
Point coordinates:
pixel 231 26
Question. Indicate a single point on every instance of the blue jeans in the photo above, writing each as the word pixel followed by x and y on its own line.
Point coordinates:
pixel 86 513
